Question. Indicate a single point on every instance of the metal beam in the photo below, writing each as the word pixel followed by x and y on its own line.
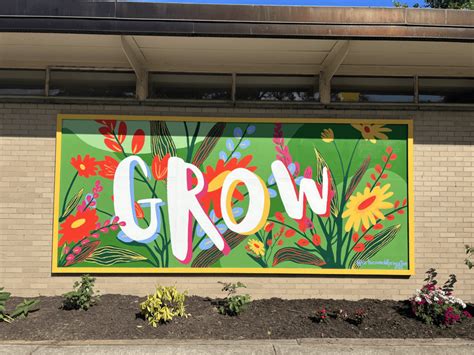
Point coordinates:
pixel 138 63
pixel 329 67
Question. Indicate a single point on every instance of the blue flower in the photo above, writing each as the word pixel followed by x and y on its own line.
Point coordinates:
pixel 238 132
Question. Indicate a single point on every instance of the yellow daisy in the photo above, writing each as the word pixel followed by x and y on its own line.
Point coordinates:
pixel 327 135
pixel 256 247
pixel 372 132
pixel 366 207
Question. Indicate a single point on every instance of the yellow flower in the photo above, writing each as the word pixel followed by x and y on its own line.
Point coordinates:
pixel 327 135
pixel 365 207
pixel 256 247
pixel 372 132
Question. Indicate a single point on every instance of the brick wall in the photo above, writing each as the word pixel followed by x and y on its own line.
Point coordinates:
pixel 444 206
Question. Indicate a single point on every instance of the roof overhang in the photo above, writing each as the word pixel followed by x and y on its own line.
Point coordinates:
pixel 158 19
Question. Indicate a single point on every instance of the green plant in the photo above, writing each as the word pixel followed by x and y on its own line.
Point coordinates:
pixel 321 316
pixel 469 253
pixel 359 316
pixel 437 305
pixel 83 296
pixel 21 310
pixel 233 304
pixel 165 304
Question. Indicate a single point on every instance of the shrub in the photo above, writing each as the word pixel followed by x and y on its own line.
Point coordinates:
pixel 437 305
pixel 359 316
pixel 21 310
pixel 233 304
pixel 165 304
pixel 83 296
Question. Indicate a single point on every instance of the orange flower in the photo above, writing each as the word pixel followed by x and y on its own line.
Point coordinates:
pixel 139 211
pixel 137 141
pixel 215 178
pixel 77 227
pixel 85 166
pixel 108 167
pixel 159 167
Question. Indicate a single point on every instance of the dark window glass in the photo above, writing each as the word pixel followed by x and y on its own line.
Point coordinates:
pixel 92 83
pixel 442 90
pixel 22 82
pixel 277 88
pixel 191 86
pixel 371 89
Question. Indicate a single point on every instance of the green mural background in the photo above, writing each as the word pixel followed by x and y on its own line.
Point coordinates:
pixel 367 231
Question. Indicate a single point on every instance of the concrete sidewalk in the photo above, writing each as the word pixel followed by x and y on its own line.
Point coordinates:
pixel 270 347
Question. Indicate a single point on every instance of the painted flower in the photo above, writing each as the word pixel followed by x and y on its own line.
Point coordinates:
pixel 327 135
pixel 214 178
pixel 365 208
pixel 85 166
pixel 138 141
pixel 372 132
pixel 107 167
pixel 159 167
pixel 77 227
pixel 256 247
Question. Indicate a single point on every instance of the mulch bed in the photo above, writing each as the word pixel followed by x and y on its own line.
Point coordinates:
pixel 117 317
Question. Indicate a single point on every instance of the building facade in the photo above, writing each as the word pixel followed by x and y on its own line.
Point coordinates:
pixel 226 64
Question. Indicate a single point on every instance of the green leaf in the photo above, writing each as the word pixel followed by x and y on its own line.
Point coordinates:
pixel 357 177
pixel 208 143
pixel 297 256
pixel 161 140
pixel 259 261
pixel 380 241
pixel 72 204
pixel 25 307
pixel 111 255
pixel 320 164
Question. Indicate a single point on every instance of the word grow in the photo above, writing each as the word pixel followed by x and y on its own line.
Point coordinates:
pixel 183 202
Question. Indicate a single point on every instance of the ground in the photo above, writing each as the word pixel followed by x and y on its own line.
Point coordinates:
pixel 117 317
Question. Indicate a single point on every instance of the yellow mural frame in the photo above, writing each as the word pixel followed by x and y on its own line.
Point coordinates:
pixel 280 271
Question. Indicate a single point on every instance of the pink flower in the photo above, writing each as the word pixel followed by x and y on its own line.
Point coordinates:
pixel 77 250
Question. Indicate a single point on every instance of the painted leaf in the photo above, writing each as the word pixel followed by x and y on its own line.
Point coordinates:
pixel 86 251
pixel 122 132
pixel 161 140
pixel 245 144
pixel 110 255
pixel 222 155
pixel 381 240
pixel 206 244
pixel 236 155
pixel 206 258
pixel 356 178
pixel 208 144
pixel 112 145
pixel 238 132
pixel 320 164
pixel 72 204
pixel 251 129
pixel 230 144
pixel 297 256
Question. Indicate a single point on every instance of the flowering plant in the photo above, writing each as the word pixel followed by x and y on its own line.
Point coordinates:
pixel 437 305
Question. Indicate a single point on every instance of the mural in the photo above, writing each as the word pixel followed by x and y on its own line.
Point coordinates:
pixel 160 194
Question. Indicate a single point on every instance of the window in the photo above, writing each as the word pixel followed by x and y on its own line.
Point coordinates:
pixel 372 89
pixel 92 83
pixel 191 86
pixel 443 90
pixel 277 88
pixel 22 82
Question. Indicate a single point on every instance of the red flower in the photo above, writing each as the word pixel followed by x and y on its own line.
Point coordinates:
pixel 122 132
pixel 159 167
pixel 113 145
pixel 290 233
pixel 269 226
pixel 77 227
pixel 279 216
pixel 369 237
pixel 214 178
pixel 316 240
pixel 359 247
pixel 302 242
pixel 85 166
pixel 108 166
pixel 137 141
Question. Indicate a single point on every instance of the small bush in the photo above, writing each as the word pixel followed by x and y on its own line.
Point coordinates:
pixel 437 305
pixel 321 316
pixel 83 296
pixel 165 304
pixel 21 310
pixel 358 316
pixel 233 304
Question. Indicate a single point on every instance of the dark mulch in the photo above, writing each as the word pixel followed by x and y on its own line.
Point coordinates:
pixel 116 317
